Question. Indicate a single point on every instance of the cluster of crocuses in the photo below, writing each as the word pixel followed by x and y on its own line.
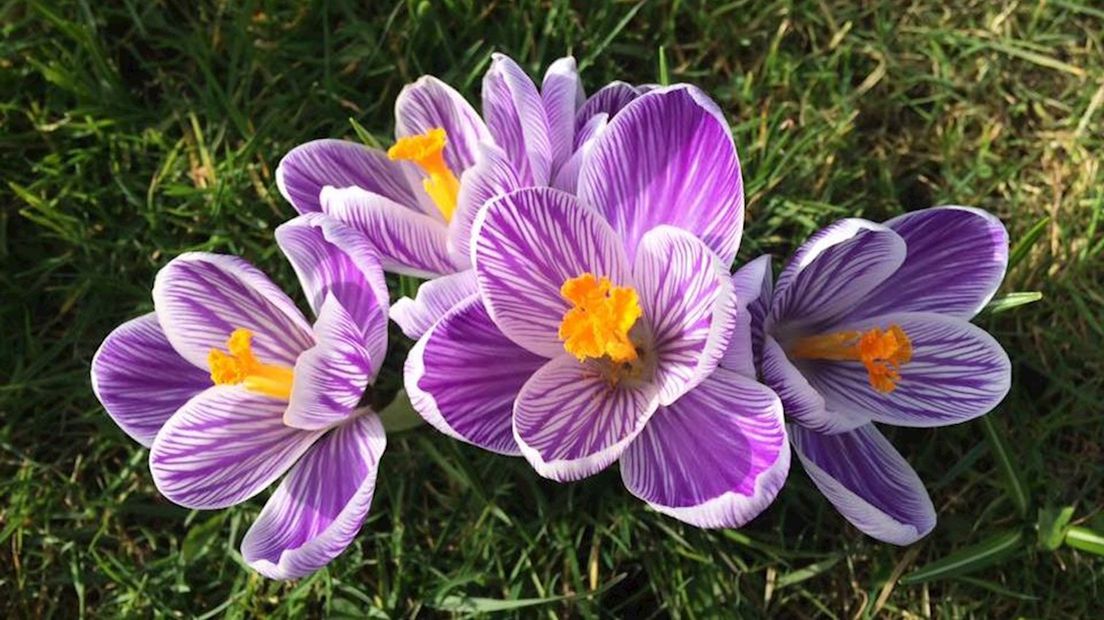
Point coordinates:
pixel 579 311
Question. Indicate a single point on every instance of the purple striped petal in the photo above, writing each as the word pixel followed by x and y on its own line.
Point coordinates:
pixel 868 481
pixel 321 504
pixel 516 117
pixel 832 272
pixel 201 298
pixel 430 103
pixel 435 298
pixel 332 259
pixel 752 285
pixel 608 100
pixel 464 375
pixel 957 373
pixel 491 176
pixel 567 177
pixel 525 246
pixel 570 422
pixel 562 96
pixel 407 242
pixel 330 377
pixel 309 167
pixel 668 158
pixel 224 446
pixel 141 380
pixel 686 295
pixel 715 458
pixel 955 263
pixel 803 404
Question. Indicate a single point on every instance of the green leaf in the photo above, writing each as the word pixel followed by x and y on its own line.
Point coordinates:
pixel 808 572
pixel 400 415
pixel 364 135
pixel 1012 300
pixel 664 73
pixel 1085 539
pixel 969 559
pixel 1052 526
pixel 1013 481
pixel 1023 246
pixel 200 536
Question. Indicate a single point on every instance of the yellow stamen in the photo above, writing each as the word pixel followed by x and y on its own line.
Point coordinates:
pixel 599 323
pixel 241 366
pixel 428 151
pixel 882 352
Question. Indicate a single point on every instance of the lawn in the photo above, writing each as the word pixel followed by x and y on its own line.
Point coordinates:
pixel 133 131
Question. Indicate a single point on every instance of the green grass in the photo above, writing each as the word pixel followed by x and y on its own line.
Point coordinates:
pixel 130 134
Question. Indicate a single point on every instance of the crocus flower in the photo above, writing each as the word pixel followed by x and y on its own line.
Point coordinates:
pixel 869 324
pixel 230 387
pixel 416 201
pixel 599 322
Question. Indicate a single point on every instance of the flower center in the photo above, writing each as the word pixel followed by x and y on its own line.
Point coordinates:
pixel 428 151
pixel 883 352
pixel 241 366
pixel 599 321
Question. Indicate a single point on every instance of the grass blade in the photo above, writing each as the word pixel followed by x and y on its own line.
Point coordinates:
pixel 1014 481
pixel 969 559
pixel 1085 539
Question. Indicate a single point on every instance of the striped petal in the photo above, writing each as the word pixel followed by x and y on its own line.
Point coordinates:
pixel 955 263
pixel 491 176
pixel 570 422
pixel 407 242
pixel 715 458
pixel 608 100
pixel 562 95
pixel 141 380
pixel 224 446
pixel 802 402
pixel 309 167
pixel 331 376
pixel 868 481
pixel 320 506
pixel 333 260
pixel 201 298
pixel 832 273
pixel 516 118
pixel 433 301
pixel 525 246
pixel 957 372
pixel 668 158
pixel 686 295
pixel 429 103
pixel 463 377
pixel 752 285
pixel 567 177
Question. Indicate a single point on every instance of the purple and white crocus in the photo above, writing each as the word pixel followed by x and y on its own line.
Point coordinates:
pixel 600 321
pixel 230 387
pixel 869 324
pixel 416 201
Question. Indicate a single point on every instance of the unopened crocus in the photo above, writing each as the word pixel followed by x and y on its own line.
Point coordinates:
pixel 599 323
pixel 869 324
pixel 230 387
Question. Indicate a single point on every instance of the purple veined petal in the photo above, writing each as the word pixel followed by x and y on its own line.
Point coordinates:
pixel 430 103
pixel 802 403
pixel 608 100
pixel 407 242
pixel 562 96
pixel 435 298
pixel 332 259
pixel 832 273
pixel 955 262
pixel 141 380
pixel 868 482
pixel 717 457
pixel 491 176
pixel 309 167
pixel 525 245
pixel 331 376
pixel 752 284
pixel 516 118
pixel 687 297
pixel 570 422
pixel 567 177
pixel 464 374
pixel 957 372
pixel 668 158
pixel 224 446
pixel 320 506
pixel 201 298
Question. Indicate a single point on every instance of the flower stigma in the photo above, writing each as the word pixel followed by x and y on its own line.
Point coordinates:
pixel 882 352
pixel 428 151
pixel 598 323
pixel 239 365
